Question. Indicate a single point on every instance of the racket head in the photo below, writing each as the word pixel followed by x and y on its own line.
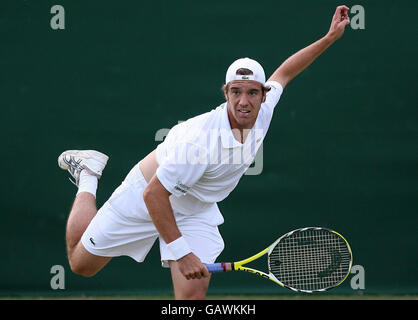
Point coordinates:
pixel 310 259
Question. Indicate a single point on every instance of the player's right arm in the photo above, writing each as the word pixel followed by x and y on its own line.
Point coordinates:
pixel 156 198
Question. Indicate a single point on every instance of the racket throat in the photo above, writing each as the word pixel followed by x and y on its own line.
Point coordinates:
pixel 254 271
pixel 228 266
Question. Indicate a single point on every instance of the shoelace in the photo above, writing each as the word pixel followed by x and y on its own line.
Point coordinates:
pixel 73 166
pixel 73 182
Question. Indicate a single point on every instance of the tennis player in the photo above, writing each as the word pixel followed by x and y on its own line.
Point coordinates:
pixel 172 194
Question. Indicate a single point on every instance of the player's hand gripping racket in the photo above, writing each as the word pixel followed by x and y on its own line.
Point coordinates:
pixel 304 260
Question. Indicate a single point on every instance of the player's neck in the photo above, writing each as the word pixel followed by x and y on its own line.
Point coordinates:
pixel 239 132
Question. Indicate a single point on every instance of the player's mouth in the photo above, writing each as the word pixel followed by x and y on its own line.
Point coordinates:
pixel 244 111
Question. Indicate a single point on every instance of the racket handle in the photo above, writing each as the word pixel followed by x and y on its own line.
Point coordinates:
pixel 218 267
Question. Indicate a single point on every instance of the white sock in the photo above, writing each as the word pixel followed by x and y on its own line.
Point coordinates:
pixel 87 183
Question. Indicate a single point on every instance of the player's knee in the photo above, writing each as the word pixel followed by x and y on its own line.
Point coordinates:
pixel 82 269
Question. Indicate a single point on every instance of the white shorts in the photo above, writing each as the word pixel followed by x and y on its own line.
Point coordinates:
pixel 123 227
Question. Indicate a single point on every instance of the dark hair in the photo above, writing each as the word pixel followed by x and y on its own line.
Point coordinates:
pixel 244 72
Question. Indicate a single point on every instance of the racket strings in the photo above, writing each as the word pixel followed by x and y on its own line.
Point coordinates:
pixel 313 259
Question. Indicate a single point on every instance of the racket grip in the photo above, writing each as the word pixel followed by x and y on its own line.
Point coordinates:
pixel 216 267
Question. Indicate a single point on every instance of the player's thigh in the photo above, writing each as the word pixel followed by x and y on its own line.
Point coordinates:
pixel 85 263
pixel 193 289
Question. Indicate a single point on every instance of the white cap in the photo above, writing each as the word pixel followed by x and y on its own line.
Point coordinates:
pixel 247 63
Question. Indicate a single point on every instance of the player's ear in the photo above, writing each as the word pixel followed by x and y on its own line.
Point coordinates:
pixel 225 91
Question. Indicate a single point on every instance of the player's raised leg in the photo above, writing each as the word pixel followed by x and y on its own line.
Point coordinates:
pixel 86 168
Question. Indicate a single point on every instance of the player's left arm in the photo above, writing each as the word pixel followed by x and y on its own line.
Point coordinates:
pixel 303 58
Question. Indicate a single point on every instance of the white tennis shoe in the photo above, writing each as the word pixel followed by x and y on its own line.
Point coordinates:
pixel 76 160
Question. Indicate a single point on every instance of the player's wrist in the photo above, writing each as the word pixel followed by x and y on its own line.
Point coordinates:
pixel 179 248
pixel 331 37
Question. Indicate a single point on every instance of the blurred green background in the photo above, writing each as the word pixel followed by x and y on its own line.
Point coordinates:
pixel 341 151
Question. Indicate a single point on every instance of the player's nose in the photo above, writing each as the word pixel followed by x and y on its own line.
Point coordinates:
pixel 243 100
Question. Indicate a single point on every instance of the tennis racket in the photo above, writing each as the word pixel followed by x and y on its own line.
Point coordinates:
pixel 304 260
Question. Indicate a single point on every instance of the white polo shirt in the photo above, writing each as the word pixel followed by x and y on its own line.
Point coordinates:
pixel 200 161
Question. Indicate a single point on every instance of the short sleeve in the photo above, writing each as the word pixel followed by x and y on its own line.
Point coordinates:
pixel 183 165
pixel 267 108
pixel 273 95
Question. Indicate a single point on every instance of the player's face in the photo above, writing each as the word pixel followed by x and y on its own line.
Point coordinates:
pixel 244 102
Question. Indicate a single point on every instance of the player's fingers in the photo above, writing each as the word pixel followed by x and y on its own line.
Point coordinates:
pixel 340 12
pixel 344 20
pixel 342 8
pixel 345 12
pixel 194 274
pixel 205 272
pixel 347 21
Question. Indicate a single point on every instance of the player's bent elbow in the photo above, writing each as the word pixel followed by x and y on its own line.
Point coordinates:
pixel 154 190
pixel 147 194
pixel 150 198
